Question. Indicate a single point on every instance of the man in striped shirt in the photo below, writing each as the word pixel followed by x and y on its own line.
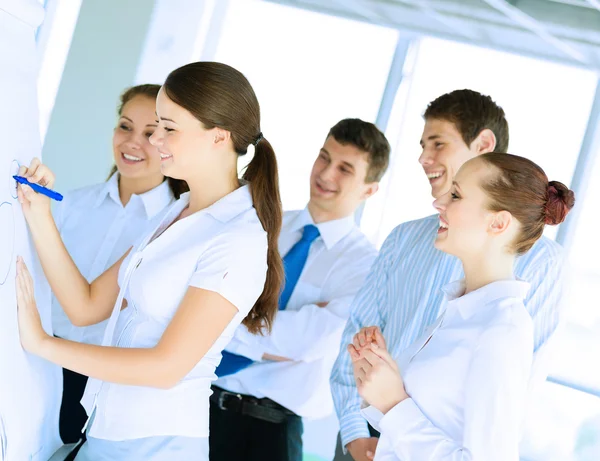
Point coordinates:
pixel 402 294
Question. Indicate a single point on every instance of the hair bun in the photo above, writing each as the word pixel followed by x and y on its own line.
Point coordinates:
pixel 560 201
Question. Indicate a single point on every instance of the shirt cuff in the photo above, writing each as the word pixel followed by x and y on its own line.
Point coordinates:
pixel 353 426
pixel 402 418
pixel 373 417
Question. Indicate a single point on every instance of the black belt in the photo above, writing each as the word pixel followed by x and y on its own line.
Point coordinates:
pixel 264 409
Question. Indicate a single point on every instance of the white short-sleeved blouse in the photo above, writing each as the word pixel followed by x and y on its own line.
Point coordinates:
pixel 222 248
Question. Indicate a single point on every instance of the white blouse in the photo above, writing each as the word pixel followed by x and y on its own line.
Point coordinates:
pixel 97 230
pixel 222 248
pixel 467 379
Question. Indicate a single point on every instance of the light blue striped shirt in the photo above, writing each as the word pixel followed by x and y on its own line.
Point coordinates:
pixel 403 295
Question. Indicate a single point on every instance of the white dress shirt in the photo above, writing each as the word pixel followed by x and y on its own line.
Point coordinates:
pixel 337 264
pixel 467 379
pixel 97 230
pixel 223 249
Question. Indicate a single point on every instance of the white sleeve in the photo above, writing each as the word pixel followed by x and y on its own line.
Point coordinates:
pixel 495 392
pixel 234 266
pixel 303 335
pixel 312 332
pixel 247 348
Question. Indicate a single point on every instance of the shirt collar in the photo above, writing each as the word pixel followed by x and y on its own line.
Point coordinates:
pixel 110 189
pixel 153 201
pixel 330 231
pixel 230 206
pixel 471 303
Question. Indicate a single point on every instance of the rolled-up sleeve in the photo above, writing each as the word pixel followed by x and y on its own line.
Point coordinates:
pixel 364 311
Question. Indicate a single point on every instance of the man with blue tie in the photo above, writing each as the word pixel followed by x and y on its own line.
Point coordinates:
pixel 269 383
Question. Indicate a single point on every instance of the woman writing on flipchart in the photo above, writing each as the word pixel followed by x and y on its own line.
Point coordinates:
pixel 99 223
pixel 210 264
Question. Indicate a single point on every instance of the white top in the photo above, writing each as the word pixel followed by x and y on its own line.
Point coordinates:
pixel 337 264
pixel 97 230
pixel 222 248
pixel 467 384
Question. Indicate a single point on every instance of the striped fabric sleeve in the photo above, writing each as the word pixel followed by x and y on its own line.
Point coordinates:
pixel 543 268
pixel 369 308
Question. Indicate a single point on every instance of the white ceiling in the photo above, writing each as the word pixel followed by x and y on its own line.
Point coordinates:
pixel 560 30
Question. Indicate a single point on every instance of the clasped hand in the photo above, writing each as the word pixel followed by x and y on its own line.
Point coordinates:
pixel 377 375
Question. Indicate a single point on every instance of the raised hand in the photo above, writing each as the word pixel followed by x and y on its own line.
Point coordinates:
pixel 35 204
pixel 31 332
pixel 378 378
pixel 364 338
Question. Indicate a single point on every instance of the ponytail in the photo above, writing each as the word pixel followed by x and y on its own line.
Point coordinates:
pixel 262 175
pixel 220 96
pixel 178 187
pixel 113 170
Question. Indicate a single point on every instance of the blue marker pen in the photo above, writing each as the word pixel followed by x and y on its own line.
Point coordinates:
pixel 39 189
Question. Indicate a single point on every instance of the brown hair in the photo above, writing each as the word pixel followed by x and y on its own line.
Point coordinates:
pixel 471 112
pixel 521 187
pixel 220 96
pixel 367 137
pixel 148 90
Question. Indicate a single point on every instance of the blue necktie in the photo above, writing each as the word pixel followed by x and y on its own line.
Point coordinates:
pixel 293 264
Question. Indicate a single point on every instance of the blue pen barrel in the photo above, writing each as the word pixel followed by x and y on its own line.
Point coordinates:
pixel 39 189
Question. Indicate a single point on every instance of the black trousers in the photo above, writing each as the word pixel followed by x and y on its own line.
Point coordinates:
pixel 237 437
pixel 72 414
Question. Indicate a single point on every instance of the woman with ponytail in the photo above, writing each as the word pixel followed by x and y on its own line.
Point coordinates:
pixel 458 392
pixel 99 223
pixel 175 299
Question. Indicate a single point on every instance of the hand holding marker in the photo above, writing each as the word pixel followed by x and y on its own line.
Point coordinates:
pixel 39 189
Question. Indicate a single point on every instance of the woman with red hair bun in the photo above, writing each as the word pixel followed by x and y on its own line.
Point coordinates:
pixel 458 392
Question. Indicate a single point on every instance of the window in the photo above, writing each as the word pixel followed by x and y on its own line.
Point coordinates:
pixel 567 422
pixel 54 38
pixel 565 426
pixel 546 121
pixel 309 71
